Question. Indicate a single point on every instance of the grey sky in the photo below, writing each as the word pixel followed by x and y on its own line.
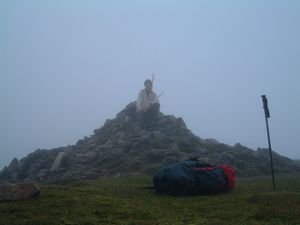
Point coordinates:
pixel 67 66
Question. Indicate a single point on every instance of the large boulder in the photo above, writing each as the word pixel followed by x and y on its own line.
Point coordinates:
pixel 15 192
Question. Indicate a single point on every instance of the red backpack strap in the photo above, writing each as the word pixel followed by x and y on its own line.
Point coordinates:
pixel 230 175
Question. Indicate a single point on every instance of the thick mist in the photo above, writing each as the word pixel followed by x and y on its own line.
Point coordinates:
pixel 67 66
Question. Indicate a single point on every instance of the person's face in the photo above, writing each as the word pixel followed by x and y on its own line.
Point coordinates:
pixel 148 87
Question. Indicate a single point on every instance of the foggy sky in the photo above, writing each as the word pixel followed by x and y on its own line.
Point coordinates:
pixel 67 66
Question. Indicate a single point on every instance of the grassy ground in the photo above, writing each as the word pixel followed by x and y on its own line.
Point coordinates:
pixel 124 201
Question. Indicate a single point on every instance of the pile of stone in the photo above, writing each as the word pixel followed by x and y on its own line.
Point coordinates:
pixel 121 147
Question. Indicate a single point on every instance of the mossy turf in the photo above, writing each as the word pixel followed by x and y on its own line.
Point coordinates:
pixel 126 201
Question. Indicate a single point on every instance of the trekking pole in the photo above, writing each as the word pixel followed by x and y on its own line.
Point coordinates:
pixel 267 115
pixel 160 94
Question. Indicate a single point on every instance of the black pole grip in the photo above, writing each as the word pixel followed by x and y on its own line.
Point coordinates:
pixel 265 102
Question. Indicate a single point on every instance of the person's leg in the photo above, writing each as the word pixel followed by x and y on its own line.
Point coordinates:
pixel 152 115
pixel 155 107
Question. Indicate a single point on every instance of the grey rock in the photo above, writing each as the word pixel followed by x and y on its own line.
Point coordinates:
pixel 212 141
pixel 57 161
pixel 15 192
pixel 14 165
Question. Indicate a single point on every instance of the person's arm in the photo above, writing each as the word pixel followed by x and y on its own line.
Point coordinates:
pixel 155 98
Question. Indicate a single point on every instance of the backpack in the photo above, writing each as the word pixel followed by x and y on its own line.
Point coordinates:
pixel 193 178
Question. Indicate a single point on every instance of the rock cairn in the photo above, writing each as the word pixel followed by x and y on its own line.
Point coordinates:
pixel 121 147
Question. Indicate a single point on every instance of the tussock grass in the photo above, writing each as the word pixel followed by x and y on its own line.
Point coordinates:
pixel 124 201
